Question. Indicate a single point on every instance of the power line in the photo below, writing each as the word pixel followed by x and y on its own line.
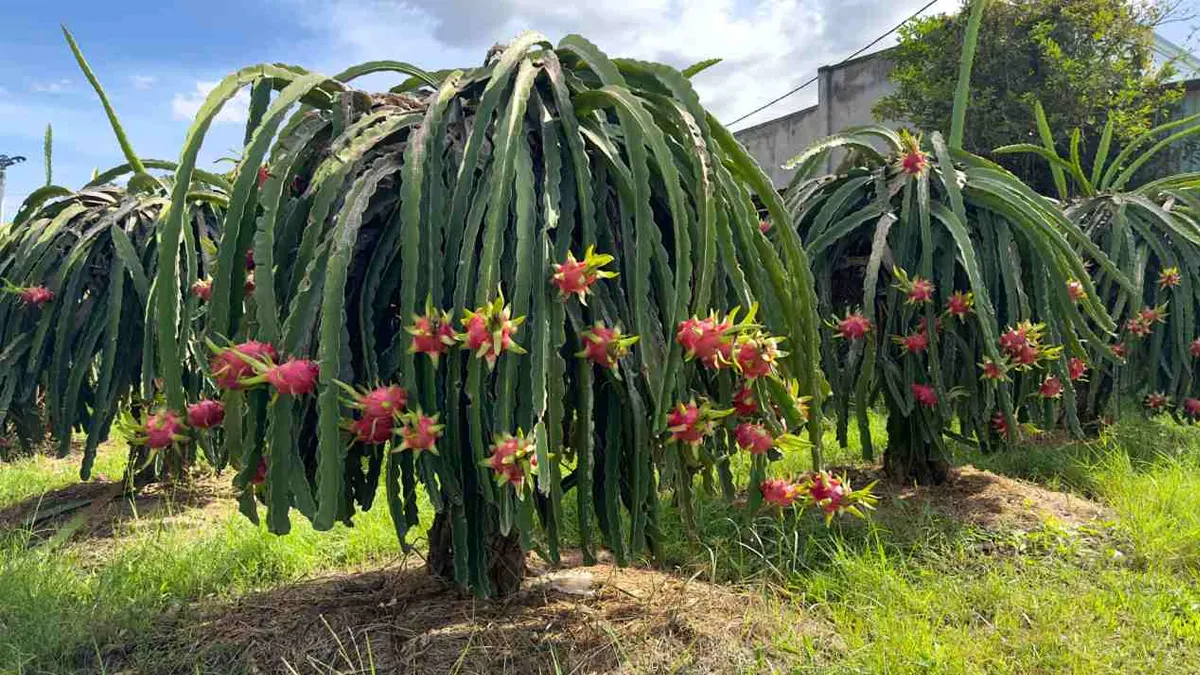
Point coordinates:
pixel 874 42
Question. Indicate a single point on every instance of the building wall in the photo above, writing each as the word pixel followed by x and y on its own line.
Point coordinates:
pixel 845 93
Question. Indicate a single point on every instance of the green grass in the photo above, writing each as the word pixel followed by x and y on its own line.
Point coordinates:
pixel 910 591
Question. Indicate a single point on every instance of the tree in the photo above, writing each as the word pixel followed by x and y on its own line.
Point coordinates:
pixel 1085 60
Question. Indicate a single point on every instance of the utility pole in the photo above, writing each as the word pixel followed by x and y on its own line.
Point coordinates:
pixel 5 162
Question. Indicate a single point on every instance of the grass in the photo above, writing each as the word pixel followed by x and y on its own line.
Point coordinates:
pixel 910 591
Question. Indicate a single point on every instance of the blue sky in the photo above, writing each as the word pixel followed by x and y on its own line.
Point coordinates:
pixel 156 59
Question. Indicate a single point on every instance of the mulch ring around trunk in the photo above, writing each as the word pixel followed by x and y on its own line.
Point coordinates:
pixel 599 619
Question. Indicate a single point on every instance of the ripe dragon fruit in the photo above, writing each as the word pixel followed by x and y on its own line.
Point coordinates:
pixel 576 277
pixel 1077 369
pixel 1051 388
pixel 294 376
pixel 1169 278
pixel 778 492
pixel 1191 406
pixel 992 371
pixel 248 287
pixel 1075 290
pixel 915 343
pixel 916 290
pixel 754 437
pixel 372 430
pixel 854 327
pixel 757 354
pixel 764 226
pixel 999 423
pixel 385 401
pixel 1120 350
pixel 1138 327
pixel 834 496
pixel 263 174
pixel 1156 402
pixel 605 346
pixel 420 433
pixel 1194 348
pixel 1152 315
pixel 708 340
pixel 488 331
pixel 35 296
pixel 959 305
pixel 1013 340
pixel 205 414
pixel 432 334
pixel 202 289
pixel 231 366
pixel 745 403
pixel 924 395
pixel 691 423
pixel 509 454
pixel 162 429
pixel 912 162
pixel 260 474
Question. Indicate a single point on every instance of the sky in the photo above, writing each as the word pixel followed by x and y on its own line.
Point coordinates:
pixel 157 60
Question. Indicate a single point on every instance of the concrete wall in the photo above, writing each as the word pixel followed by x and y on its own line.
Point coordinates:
pixel 845 95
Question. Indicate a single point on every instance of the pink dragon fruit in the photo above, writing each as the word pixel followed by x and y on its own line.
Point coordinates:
pixel 1191 406
pixel 756 355
pixel 745 403
pixel 489 330
pixel 992 371
pixel 605 346
pixel 387 401
pixel 854 327
pixel 508 454
pixel 754 437
pixel 999 423
pixel 1156 401
pixel 205 414
pixel 1051 387
pixel 231 366
pixel 924 395
pixel 421 433
pixel 576 277
pixel 294 376
pixel 959 305
pixel 1075 290
pixel 432 334
pixel 260 474
pixel 162 429
pixel 916 343
pixel 707 340
pixel 1194 348
pixel 1169 278
pixel 35 296
pixel 778 492
pixel 202 289
pixel 1077 369
pixel 372 430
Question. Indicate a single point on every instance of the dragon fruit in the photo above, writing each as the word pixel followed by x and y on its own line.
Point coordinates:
pixel 1051 388
pixel 432 334
pixel 1194 348
pixel 691 423
pixel 753 437
pixel 854 327
pixel 372 430
pixel 1191 406
pixel 421 433
pixel 386 401
pixel 992 371
pixel 231 366
pixel 1120 350
pixel 263 174
pixel 260 474
pixel 778 492
pixel 35 296
pixel 248 287
pixel 605 346
pixel 205 414
pixel 1156 401
pixel 294 376
pixel 756 355
pixel 912 161
pixel 999 423
pixel 745 403
pixel 1138 327
pixel 1075 290
pixel 916 343
pixel 249 263
pixel 1014 340
pixel 764 226
pixel 707 340
pixel 920 292
pixel 1077 369
pixel 202 289
pixel 489 330
pixel 924 395
pixel 162 429
pixel 959 305
pixel 576 277
pixel 1169 278
pixel 508 454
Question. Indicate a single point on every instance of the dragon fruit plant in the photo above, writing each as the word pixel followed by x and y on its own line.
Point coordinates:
pixel 78 270
pixel 973 318
pixel 515 247
pixel 1148 226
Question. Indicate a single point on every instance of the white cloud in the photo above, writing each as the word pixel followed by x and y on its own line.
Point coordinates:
pixel 185 106
pixel 768 46
pixel 52 86
pixel 142 82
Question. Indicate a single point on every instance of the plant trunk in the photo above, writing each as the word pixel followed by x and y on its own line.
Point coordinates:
pixel 505 557
pixel 909 457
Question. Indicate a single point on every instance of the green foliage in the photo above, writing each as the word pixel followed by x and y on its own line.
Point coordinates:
pixel 1151 232
pixel 1086 60
pixel 461 193
pixel 902 219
